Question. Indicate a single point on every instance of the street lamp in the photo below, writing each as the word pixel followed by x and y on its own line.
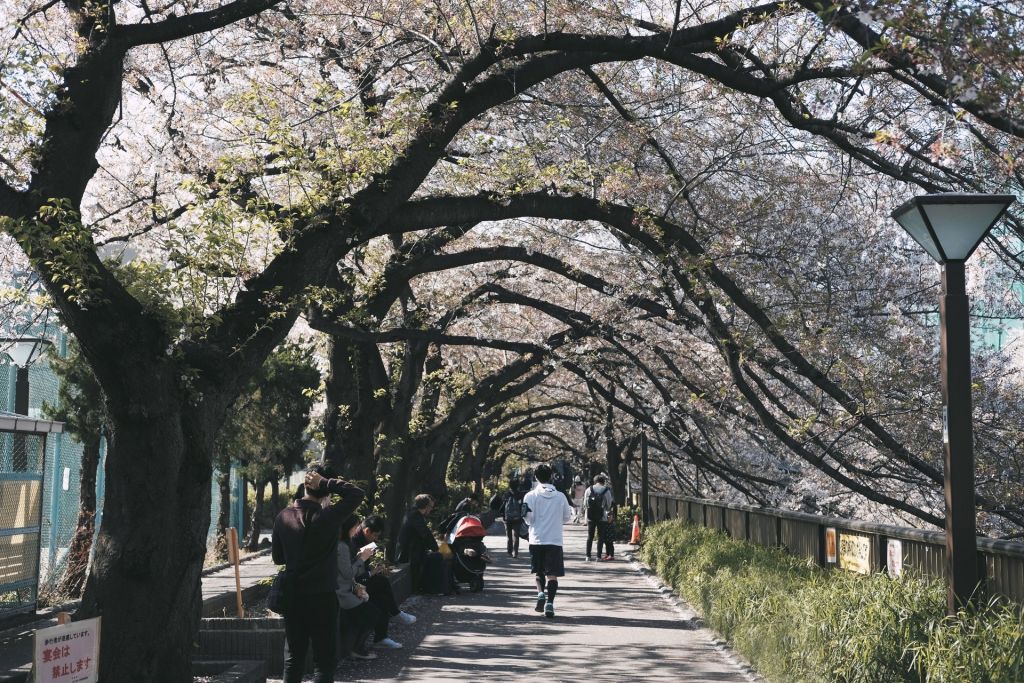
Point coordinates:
pixel 23 352
pixel 950 226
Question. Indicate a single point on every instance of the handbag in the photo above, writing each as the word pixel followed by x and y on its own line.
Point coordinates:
pixel 523 529
pixel 277 599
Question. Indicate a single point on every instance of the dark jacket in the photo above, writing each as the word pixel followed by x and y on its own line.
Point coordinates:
pixel 414 538
pixel 305 538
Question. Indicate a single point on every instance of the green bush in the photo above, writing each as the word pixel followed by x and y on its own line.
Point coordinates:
pixel 797 622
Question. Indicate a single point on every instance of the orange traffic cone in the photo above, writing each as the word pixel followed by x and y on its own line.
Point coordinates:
pixel 635 540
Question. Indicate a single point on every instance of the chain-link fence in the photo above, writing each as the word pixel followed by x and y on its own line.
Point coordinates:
pixel 50 484
pixel 21 484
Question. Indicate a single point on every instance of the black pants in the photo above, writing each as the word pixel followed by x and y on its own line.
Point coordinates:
pixel 381 594
pixel 513 537
pixel 604 538
pixel 311 619
pixel 431 574
pixel 368 617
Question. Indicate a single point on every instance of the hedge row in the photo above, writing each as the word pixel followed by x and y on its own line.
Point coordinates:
pixel 797 622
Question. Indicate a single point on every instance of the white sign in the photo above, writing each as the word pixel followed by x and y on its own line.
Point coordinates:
pixel 894 557
pixel 69 653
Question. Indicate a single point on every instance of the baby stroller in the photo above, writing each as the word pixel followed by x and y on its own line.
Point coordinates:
pixel 470 553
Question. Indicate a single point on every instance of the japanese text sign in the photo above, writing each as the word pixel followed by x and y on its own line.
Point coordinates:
pixel 69 653
pixel 855 553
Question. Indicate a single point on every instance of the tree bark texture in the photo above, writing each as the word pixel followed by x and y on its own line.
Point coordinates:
pixel 151 544
pixel 257 513
pixel 73 581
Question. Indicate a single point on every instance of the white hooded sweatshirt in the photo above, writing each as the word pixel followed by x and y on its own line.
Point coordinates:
pixel 547 510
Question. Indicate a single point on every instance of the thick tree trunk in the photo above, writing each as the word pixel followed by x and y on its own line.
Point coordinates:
pixel 257 513
pixel 149 552
pixel 394 470
pixel 223 514
pixel 353 412
pixel 73 581
pixel 275 494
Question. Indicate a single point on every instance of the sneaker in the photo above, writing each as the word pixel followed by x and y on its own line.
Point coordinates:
pixel 541 599
pixel 389 644
pixel 363 655
pixel 549 610
pixel 406 618
pixel 606 558
pixel 588 558
pixel 515 554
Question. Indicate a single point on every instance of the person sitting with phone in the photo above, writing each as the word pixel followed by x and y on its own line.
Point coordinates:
pixel 365 535
pixel 357 612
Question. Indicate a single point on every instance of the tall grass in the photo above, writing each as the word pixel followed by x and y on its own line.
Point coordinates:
pixel 797 622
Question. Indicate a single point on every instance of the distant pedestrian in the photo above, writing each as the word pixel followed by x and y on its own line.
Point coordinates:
pixel 546 510
pixel 599 501
pixel 578 490
pixel 305 540
pixel 513 515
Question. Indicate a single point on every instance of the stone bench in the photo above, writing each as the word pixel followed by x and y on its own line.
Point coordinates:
pixel 262 638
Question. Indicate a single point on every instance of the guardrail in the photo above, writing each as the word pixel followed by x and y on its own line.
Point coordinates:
pixel 859 546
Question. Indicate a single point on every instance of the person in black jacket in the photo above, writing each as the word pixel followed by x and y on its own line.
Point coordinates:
pixel 305 540
pixel 418 547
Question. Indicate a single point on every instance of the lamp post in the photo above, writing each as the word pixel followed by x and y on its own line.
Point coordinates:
pixel 23 352
pixel 950 226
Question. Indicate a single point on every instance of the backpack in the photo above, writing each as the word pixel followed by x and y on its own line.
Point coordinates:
pixel 595 505
pixel 513 509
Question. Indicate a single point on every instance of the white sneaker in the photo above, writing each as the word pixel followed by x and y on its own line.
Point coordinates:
pixel 389 644
pixel 406 618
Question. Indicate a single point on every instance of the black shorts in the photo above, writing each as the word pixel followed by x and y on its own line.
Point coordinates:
pixel 546 560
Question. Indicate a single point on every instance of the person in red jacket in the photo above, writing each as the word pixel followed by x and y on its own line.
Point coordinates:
pixel 305 540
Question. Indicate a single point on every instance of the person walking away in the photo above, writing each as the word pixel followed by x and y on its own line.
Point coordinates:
pixel 578 490
pixel 547 510
pixel 374 576
pixel 513 516
pixel 305 541
pixel 418 547
pixel 599 503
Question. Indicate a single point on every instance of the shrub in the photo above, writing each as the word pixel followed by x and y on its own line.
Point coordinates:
pixel 797 622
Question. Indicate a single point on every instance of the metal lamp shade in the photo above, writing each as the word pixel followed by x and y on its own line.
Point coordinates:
pixel 950 225
pixel 25 351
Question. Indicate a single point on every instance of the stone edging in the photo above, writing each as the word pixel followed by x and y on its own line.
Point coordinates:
pixel 691 620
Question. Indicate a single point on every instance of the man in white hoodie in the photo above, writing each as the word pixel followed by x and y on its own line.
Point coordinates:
pixel 546 509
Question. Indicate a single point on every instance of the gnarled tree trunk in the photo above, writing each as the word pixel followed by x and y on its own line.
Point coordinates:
pixel 151 544
pixel 257 513
pixel 73 581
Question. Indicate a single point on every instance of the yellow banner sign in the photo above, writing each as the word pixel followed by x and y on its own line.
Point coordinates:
pixel 855 553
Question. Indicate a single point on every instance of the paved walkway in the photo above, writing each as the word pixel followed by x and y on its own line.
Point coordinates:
pixel 612 624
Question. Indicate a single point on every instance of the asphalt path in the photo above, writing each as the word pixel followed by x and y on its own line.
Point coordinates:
pixel 612 623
